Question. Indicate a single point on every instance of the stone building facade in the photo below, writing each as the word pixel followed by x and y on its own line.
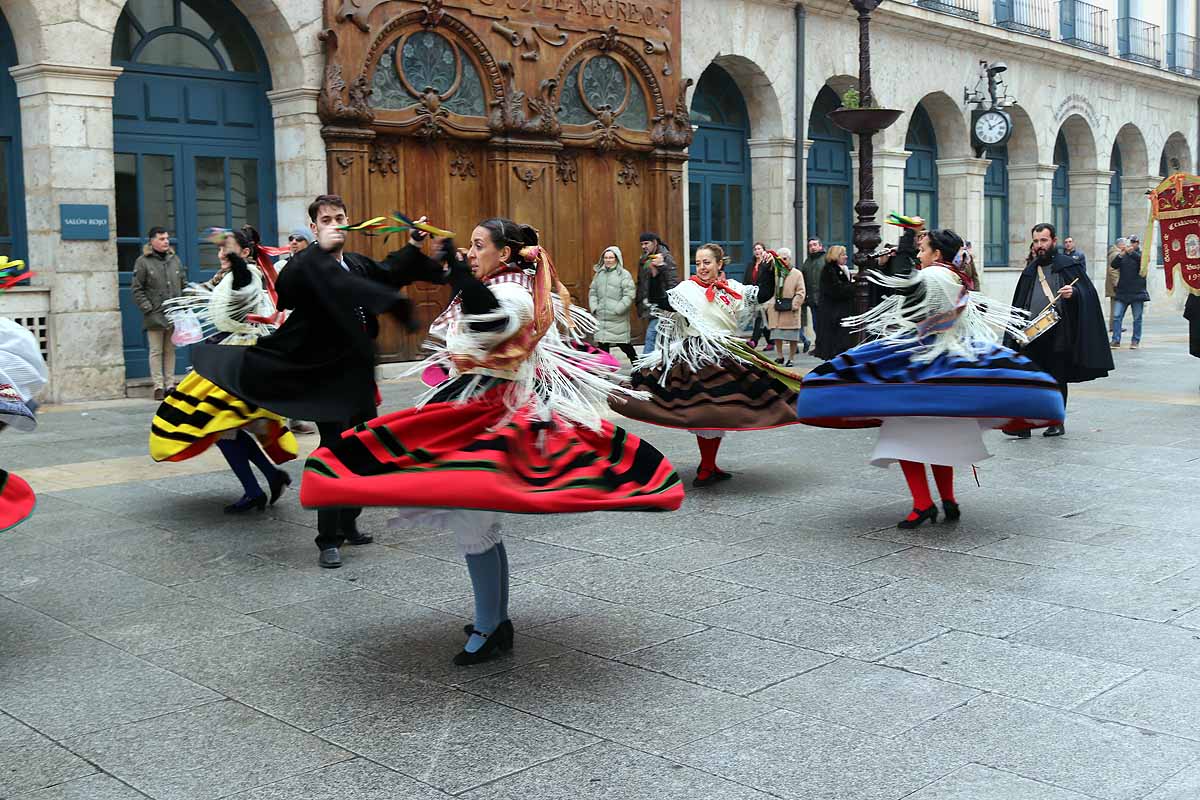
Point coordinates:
pixel 97 115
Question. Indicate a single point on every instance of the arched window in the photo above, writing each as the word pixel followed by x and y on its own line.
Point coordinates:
pixel 920 171
pixel 600 84
pixel 1114 195
pixel 424 62
pixel 829 185
pixel 719 169
pixel 1060 190
pixel 995 206
pixel 186 34
pixel 12 192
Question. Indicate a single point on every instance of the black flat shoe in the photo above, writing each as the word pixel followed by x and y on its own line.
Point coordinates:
pixel 708 480
pixel 499 642
pixel 1054 430
pixel 722 475
pixel 504 631
pixel 247 503
pixel 930 514
pixel 952 512
pixel 354 537
pixel 1018 434
pixel 281 481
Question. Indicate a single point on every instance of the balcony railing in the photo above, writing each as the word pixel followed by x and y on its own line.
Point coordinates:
pixel 1183 54
pixel 1137 40
pixel 1027 16
pixel 1083 25
pixel 967 9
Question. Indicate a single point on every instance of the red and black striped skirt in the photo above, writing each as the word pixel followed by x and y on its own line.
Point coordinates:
pixel 468 455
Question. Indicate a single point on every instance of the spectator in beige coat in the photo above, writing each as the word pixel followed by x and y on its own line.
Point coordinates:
pixel 783 310
pixel 1111 272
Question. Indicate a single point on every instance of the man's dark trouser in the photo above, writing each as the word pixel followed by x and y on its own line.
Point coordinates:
pixel 334 523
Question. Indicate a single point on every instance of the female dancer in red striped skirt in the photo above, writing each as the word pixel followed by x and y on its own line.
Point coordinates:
pixel 516 426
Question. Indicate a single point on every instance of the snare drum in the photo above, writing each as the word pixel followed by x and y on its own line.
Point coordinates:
pixel 1041 323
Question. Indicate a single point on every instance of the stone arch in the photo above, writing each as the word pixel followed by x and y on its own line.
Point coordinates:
pixel 1135 159
pixel 1023 146
pixel 1081 143
pixel 762 103
pixel 949 125
pixel 26 16
pixel 1176 155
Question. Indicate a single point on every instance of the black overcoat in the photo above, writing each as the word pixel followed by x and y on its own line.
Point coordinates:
pixel 1191 312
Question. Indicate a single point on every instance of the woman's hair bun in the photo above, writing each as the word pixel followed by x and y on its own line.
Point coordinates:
pixel 529 234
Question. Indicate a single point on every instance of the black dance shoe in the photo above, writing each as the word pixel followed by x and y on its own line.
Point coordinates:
pixel 498 642
pixel 707 480
pixel 247 503
pixel 1054 430
pixel 952 512
pixel 280 482
pixel 930 514
pixel 504 629
pixel 1018 434
pixel 722 475
pixel 353 536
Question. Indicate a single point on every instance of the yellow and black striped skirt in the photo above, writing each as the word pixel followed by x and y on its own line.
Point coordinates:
pixel 198 412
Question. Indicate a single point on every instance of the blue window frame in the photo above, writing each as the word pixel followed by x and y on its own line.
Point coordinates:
pixel 719 170
pixel 1114 195
pixel 194 144
pixel 830 189
pixel 12 182
pixel 1060 191
pixel 995 199
pixel 920 171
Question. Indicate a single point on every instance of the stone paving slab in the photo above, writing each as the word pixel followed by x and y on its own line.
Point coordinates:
pixel 977 782
pixel 30 761
pixel 98 786
pixel 359 779
pixel 1154 701
pixel 983 611
pixel 615 631
pixel 798 578
pixel 1137 643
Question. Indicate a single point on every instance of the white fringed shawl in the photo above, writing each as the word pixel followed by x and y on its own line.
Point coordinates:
pixel 223 309
pixel 699 332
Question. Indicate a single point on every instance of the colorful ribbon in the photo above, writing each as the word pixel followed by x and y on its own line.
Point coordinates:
pixel 397 223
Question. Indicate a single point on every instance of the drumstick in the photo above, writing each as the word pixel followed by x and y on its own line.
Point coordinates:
pixel 1057 297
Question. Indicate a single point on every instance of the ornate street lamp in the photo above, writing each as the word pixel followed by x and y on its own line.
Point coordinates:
pixel 865 122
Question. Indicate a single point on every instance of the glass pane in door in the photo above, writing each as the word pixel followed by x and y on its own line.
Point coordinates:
pixel 158 193
pixel 718 212
pixel 243 192
pixel 211 211
pixel 128 224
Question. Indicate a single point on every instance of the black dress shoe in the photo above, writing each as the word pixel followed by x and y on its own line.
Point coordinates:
pixel 504 630
pixel 707 480
pixel 952 511
pixel 247 503
pixel 331 558
pixel 1054 430
pixel 496 643
pixel 1018 434
pixel 930 514
pixel 355 537
pixel 281 481
pixel 722 475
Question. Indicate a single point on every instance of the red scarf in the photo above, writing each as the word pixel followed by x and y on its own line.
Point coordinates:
pixel 710 289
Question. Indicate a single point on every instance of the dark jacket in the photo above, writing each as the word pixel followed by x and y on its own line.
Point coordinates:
pixel 1191 312
pixel 837 303
pixel 156 279
pixel 320 364
pixel 1076 349
pixel 1078 255
pixel 811 268
pixel 1131 285
pixel 651 288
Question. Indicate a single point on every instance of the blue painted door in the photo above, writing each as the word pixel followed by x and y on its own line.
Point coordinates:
pixel 12 191
pixel 830 192
pixel 193 140
pixel 995 198
pixel 719 171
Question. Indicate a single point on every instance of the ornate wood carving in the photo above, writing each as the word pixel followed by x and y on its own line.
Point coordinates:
pixel 508 112
pixel 566 166
pixel 528 175
pixel 674 129
pixel 463 166
pixel 675 181
pixel 628 175
pixel 384 160
pixel 344 162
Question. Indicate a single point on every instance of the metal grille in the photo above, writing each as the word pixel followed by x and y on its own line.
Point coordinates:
pixel 967 9
pixel 1084 25
pixel 1026 16
pixel 40 329
pixel 1137 40
pixel 1183 54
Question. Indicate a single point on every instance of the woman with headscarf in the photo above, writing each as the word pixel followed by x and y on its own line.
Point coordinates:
pixel 610 297
pixel 933 378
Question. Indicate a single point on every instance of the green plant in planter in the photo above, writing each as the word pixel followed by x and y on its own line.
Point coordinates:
pixel 851 99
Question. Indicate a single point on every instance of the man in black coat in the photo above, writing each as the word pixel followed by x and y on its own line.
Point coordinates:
pixel 1076 348
pixel 657 275
pixel 320 364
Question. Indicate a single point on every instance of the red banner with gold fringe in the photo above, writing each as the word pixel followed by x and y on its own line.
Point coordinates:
pixel 1175 205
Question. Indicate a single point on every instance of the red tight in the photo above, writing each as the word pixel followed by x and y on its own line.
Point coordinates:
pixel 918 484
pixel 708 455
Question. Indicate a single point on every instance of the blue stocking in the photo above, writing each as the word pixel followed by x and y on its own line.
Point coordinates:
pixel 486 572
pixel 503 580
pixel 256 455
pixel 239 462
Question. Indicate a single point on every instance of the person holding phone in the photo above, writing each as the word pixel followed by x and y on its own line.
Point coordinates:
pixel 657 275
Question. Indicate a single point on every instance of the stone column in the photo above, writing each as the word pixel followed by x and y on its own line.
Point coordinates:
pixel 772 176
pixel 889 186
pixel 803 177
pixel 67 135
pixel 1029 188
pixel 1135 205
pixel 960 200
pixel 300 163
pixel 1089 216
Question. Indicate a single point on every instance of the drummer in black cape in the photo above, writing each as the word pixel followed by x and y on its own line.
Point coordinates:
pixel 1075 349
pixel 320 364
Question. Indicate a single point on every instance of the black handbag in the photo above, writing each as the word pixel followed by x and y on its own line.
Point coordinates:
pixel 783 304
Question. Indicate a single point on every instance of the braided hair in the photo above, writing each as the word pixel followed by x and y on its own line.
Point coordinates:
pixel 506 233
